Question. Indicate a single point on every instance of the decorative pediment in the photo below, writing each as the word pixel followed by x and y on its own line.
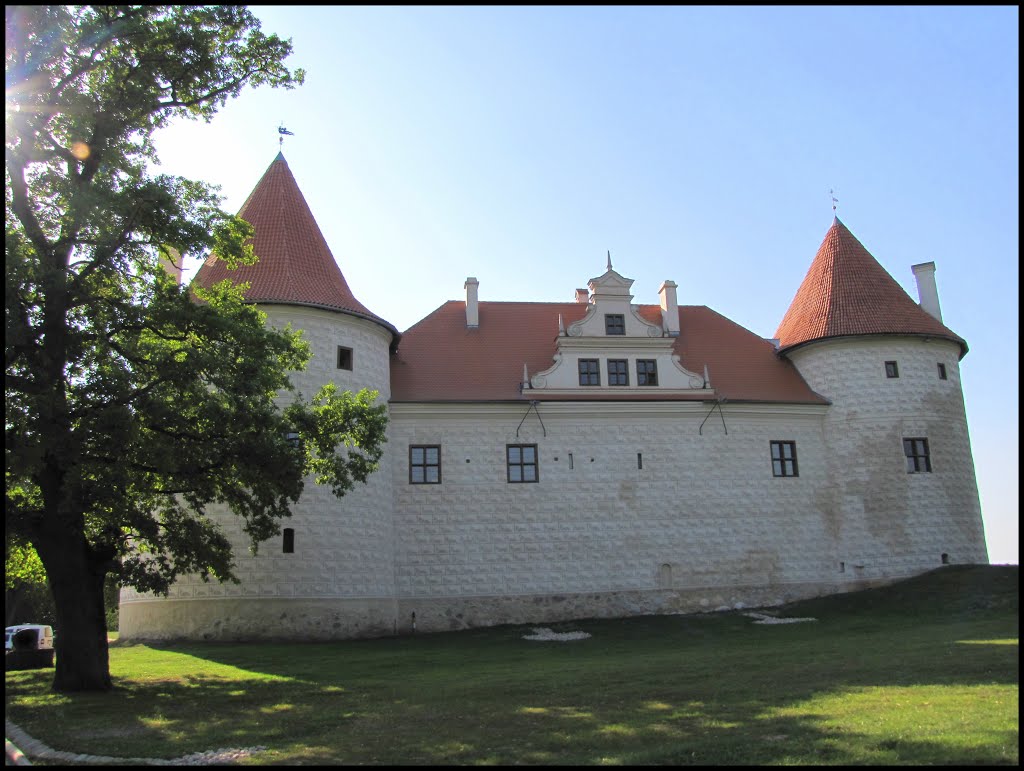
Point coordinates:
pixel 614 350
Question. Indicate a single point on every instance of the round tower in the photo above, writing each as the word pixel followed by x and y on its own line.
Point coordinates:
pixel 330 574
pixel 902 496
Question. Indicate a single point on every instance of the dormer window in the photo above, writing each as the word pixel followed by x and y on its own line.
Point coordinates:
pixel 590 375
pixel 618 372
pixel 647 372
pixel 614 324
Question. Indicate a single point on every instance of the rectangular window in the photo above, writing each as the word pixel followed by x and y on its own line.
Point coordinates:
pixel 288 547
pixel 646 372
pixel 918 459
pixel 891 370
pixel 590 374
pixel 614 324
pixel 618 372
pixel 522 462
pixel 784 459
pixel 344 357
pixel 942 371
pixel 424 464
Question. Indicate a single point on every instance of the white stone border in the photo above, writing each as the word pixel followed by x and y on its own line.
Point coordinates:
pixel 37 749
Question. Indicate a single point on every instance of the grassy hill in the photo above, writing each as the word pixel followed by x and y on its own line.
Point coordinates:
pixel 923 672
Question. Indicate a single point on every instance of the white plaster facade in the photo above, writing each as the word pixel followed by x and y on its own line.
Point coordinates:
pixel 640 507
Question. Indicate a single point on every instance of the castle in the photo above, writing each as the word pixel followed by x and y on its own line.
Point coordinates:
pixel 599 457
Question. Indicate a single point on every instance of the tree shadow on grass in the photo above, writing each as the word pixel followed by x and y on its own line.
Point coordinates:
pixel 654 690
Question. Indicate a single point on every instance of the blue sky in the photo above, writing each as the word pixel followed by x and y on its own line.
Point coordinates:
pixel 520 144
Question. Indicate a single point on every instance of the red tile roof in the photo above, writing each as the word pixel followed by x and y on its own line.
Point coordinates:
pixel 847 292
pixel 296 266
pixel 439 359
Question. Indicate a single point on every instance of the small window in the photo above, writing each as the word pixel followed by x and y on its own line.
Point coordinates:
pixel 344 358
pixel 618 372
pixel 590 374
pixel 646 372
pixel 942 371
pixel 639 460
pixel 614 324
pixel 918 459
pixel 289 541
pixel 425 464
pixel 522 462
pixel 891 370
pixel 945 558
pixel 784 459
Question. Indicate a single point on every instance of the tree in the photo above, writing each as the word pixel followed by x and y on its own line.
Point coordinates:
pixel 27 597
pixel 133 404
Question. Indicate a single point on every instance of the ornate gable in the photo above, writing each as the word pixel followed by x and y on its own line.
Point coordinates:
pixel 614 351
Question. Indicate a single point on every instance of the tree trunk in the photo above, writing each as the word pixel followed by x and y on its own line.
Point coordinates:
pixel 76 579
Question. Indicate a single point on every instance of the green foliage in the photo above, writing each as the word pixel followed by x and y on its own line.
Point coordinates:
pixel 22 565
pixel 133 404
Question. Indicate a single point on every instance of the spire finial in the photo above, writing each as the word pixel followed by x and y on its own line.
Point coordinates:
pixel 834 202
pixel 282 132
pixel 609 259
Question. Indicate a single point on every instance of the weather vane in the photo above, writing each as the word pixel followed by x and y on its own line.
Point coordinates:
pixel 834 201
pixel 283 132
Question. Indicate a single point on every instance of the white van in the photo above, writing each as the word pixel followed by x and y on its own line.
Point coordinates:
pixel 43 636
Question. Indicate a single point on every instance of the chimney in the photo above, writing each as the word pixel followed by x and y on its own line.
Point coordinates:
pixel 582 295
pixel 472 307
pixel 170 260
pixel 926 291
pixel 669 308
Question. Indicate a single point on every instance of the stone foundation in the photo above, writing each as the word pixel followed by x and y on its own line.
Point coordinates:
pixel 339 619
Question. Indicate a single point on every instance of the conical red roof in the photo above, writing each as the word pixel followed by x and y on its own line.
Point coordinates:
pixel 847 292
pixel 296 266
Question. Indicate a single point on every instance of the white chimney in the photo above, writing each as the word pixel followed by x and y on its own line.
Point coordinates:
pixel 170 260
pixel 669 308
pixel 582 295
pixel 472 307
pixel 926 290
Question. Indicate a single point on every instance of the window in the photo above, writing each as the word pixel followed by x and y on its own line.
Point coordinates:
pixel 614 324
pixel 942 371
pixel 891 370
pixel 618 372
pixel 918 459
pixel 289 541
pixel 522 462
pixel 344 357
pixel 424 464
pixel 784 459
pixel 646 372
pixel 590 375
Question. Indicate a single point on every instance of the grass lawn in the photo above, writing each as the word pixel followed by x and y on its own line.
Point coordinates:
pixel 923 672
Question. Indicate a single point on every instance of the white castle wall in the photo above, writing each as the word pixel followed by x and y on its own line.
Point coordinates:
pixel 340 579
pixel 891 522
pixel 703 523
